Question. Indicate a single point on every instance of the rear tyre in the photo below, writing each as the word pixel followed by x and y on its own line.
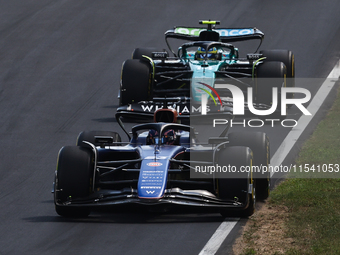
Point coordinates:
pixel 135 84
pixel 286 57
pixel 74 174
pixel 258 142
pixel 270 75
pixel 89 136
pixel 236 188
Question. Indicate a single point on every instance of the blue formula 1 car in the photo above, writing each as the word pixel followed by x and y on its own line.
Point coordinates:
pixel 163 165
pixel 208 58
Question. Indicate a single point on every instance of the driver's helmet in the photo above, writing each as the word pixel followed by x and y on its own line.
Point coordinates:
pixel 201 54
pixel 168 137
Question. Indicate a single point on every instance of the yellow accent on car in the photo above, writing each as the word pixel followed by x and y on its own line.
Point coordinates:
pixel 208 22
pixel 153 72
pixel 253 71
pixel 152 64
pixel 293 74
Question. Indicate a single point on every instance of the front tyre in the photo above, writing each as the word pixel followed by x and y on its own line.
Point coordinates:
pixel 239 187
pixel 270 75
pixel 258 142
pixel 286 57
pixel 75 168
pixel 136 81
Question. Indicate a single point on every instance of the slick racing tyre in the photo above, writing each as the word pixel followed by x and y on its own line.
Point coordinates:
pixel 89 136
pixel 235 186
pixel 270 75
pixel 258 142
pixel 73 180
pixel 286 57
pixel 136 80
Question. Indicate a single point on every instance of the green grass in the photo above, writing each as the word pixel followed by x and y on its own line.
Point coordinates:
pixel 314 213
pixel 314 203
pixel 249 251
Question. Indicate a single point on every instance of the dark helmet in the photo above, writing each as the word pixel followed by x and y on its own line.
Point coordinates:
pixel 168 137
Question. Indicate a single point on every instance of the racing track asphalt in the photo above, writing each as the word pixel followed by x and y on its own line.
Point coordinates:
pixel 59 74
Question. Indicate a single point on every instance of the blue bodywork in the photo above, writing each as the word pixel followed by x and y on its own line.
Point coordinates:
pixel 150 171
pixel 138 173
pixel 154 169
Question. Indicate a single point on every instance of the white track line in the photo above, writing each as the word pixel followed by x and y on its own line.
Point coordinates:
pixel 225 228
pixel 218 237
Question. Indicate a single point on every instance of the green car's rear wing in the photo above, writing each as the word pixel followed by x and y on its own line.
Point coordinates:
pixel 225 34
pixel 211 33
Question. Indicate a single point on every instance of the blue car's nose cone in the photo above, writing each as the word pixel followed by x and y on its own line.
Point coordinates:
pixel 154 171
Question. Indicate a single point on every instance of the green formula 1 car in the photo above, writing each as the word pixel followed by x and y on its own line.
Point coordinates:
pixel 204 65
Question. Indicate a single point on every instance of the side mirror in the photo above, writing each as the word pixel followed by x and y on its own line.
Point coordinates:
pixel 103 140
pixel 159 55
pixel 217 140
